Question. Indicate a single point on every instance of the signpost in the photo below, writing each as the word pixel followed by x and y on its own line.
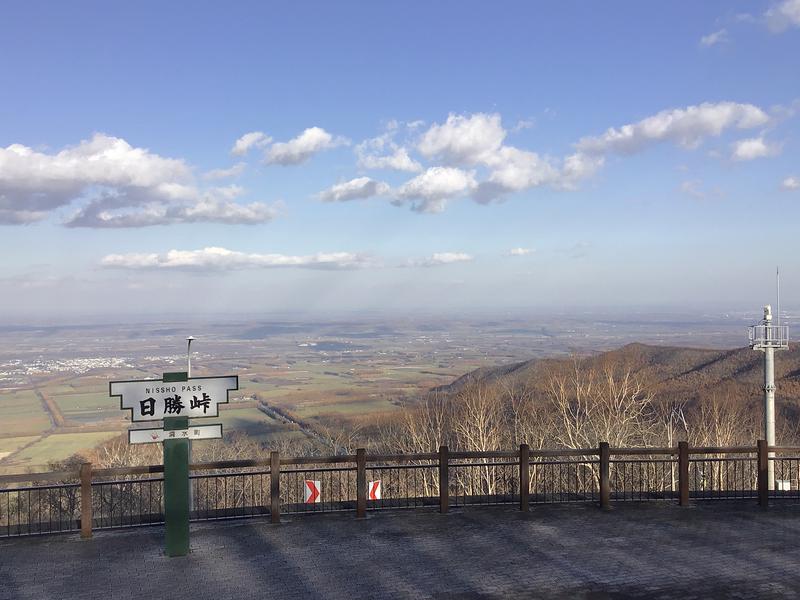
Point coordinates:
pixel 374 490
pixel 176 395
pixel 313 492
pixel 175 398
pixel 194 432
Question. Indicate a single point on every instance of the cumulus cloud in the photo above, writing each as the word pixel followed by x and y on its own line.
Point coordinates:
pixel 463 139
pixel 520 251
pixel 398 160
pixel 214 206
pixel 712 39
pixel 684 126
pixel 221 259
pixel 791 183
pixel 233 171
pixel 441 258
pixel 382 152
pixel 579 166
pixel 298 150
pixel 360 187
pixel 113 179
pixel 476 140
pixel 783 15
pixel 254 139
pixel 752 148
pixel 514 170
pixel 430 191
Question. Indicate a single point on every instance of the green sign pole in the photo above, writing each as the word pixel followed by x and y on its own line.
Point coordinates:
pixel 176 482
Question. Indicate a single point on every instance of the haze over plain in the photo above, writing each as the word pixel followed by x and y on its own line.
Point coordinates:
pixel 350 156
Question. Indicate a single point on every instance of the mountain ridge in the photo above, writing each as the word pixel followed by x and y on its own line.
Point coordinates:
pixel 671 372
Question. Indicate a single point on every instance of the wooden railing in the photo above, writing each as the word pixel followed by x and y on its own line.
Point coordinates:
pixel 88 498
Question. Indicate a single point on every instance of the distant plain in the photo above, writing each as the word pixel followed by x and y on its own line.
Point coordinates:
pixel 54 379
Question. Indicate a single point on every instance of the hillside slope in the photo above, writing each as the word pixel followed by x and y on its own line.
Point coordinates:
pixel 687 374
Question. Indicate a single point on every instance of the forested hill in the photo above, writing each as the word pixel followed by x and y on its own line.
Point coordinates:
pixel 671 372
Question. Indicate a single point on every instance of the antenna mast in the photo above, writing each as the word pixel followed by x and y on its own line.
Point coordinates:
pixel 768 337
pixel 778 294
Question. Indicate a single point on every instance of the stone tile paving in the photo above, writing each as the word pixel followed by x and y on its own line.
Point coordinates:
pixel 717 550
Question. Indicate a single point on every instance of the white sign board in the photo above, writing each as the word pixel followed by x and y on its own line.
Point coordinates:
pixel 153 399
pixel 153 436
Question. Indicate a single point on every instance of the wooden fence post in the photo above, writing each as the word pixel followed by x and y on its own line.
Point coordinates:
pixel 444 479
pixel 605 487
pixel 763 473
pixel 683 473
pixel 524 476
pixel 361 483
pixel 275 487
pixel 86 500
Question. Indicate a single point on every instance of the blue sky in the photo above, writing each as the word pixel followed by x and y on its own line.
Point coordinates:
pixel 442 156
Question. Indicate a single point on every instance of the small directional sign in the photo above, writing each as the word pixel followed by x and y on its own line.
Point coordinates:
pixel 313 491
pixel 374 490
pixel 156 399
pixel 153 436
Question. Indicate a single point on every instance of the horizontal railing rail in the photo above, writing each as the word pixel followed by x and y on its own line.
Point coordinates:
pixel 86 498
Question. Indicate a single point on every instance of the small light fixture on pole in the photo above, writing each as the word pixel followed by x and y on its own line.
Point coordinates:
pixel 189 341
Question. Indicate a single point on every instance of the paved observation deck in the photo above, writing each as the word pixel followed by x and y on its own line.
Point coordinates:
pixel 719 550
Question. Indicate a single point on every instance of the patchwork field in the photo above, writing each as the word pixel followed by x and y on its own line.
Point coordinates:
pixel 54 447
pixel 316 392
pixel 254 423
pixel 87 407
pixel 22 414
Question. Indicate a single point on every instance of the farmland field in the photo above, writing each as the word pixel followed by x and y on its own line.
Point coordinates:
pixel 12 444
pixel 22 414
pixel 252 422
pixel 89 406
pixel 324 372
pixel 54 447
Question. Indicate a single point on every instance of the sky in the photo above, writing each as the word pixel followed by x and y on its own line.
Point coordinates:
pixel 375 156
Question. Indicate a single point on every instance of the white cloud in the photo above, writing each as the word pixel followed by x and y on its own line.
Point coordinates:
pixel 752 148
pixel 783 15
pixel 304 146
pixel 579 166
pixel 441 258
pixel 383 152
pixel 514 170
pixel 523 124
pixel 219 259
pixel 398 160
pixel 684 126
pixel 430 190
pixel 520 251
pixel 694 189
pixel 120 185
pixel 233 171
pixel 215 206
pixel 463 139
pixel 254 139
pixel 697 190
pixel 791 183
pixel 717 37
pixel 360 187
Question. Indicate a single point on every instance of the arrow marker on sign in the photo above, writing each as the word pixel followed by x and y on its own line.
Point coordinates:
pixel 313 493
pixel 375 490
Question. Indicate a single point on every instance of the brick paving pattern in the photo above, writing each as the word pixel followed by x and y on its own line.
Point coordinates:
pixel 715 550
